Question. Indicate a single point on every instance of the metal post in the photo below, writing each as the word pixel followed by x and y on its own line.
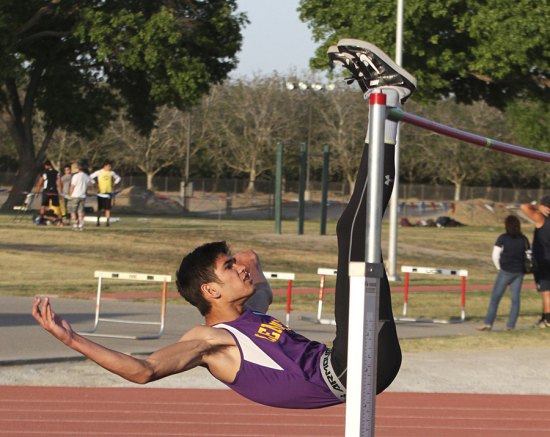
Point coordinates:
pixel 187 157
pixel 288 301
pixel 302 188
pixel 365 290
pixel 392 240
pixel 324 188
pixel 406 294
pixel 307 190
pixel 399 32
pixel 279 188
pixel 463 299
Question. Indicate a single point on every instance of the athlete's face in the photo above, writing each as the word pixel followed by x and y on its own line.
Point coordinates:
pixel 235 280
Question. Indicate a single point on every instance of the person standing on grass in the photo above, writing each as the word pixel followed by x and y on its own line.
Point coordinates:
pixel 508 257
pixel 251 352
pixel 50 183
pixel 540 214
pixel 77 196
pixel 106 181
pixel 65 188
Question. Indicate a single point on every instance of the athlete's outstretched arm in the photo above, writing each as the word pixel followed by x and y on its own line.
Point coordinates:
pixel 188 353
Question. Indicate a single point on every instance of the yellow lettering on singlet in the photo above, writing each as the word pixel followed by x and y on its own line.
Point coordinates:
pixel 271 331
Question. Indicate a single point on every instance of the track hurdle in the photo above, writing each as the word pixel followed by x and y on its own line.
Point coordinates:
pixel 290 278
pixel 100 275
pixel 319 320
pixel 433 271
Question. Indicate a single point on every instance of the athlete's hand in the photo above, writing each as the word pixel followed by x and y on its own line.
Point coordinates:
pixel 544 210
pixel 251 261
pixel 51 322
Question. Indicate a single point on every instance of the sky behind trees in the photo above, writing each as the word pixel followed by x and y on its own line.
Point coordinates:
pixel 275 39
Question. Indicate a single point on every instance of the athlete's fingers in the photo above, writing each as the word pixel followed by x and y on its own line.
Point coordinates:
pixel 36 308
pixel 47 310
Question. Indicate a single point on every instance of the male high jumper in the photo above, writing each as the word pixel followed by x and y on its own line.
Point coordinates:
pixel 251 352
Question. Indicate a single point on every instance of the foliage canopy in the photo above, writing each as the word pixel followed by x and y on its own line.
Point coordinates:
pixel 78 62
pixel 491 50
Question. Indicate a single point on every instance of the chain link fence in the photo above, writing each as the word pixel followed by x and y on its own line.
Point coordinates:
pixel 231 197
pixel 426 192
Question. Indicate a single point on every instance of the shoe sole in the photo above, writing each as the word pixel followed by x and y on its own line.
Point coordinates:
pixel 349 43
pixel 335 56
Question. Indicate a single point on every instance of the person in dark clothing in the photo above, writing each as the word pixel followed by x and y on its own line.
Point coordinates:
pixel 49 182
pixel 540 214
pixel 508 257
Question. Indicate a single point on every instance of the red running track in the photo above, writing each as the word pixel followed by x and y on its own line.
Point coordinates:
pixel 109 412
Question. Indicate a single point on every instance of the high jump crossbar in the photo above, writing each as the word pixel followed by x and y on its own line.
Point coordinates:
pixel 397 114
pixel 290 278
pixel 100 275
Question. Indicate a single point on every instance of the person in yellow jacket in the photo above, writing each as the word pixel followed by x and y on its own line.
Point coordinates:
pixel 106 180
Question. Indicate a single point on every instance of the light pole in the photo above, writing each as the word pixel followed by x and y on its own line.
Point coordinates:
pixel 187 157
pixel 392 242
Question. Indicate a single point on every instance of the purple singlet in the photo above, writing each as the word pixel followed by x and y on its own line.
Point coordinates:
pixel 279 367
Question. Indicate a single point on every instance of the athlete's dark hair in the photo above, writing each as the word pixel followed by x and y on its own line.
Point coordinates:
pixel 197 268
pixel 513 226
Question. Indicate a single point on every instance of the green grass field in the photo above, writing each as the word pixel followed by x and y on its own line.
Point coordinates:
pixel 59 261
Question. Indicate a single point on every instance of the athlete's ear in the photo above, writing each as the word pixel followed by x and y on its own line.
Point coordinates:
pixel 210 291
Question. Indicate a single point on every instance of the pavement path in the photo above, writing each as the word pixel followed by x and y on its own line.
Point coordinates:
pixel 30 356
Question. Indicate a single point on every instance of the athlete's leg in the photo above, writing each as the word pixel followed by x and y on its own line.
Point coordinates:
pixel 371 68
pixel 351 235
pixel 100 208
pixel 499 287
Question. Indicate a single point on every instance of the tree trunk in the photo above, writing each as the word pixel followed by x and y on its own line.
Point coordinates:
pixel 24 182
pixel 29 167
pixel 150 177
pixel 458 187
pixel 251 187
pixel 19 122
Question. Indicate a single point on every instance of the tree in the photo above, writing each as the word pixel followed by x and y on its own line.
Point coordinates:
pixel 449 160
pixel 78 62
pixel 529 122
pixel 161 148
pixel 491 50
pixel 8 154
pixel 494 51
pixel 344 127
pixel 246 122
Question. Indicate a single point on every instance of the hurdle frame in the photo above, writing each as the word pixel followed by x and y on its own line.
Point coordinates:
pixel 323 272
pixel 290 277
pixel 463 274
pixel 100 275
